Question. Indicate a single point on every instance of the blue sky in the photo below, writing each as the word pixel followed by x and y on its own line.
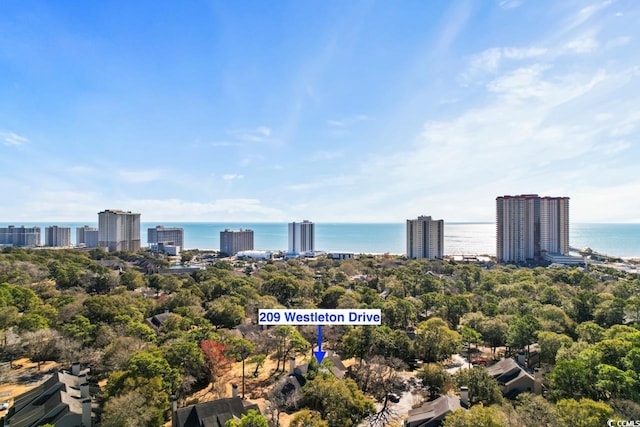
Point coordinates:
pixel 342 111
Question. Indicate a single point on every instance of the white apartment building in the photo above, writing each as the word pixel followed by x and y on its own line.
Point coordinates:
pixel 20 236
pixel 554 225
pixel 234 241
pixel 425 238
pixel 301 237
pixel 165 236
pixel 119 230
pixel 55 236
pixel 529 226
pixel 87 236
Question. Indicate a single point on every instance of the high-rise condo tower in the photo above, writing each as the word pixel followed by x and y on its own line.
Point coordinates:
pixel 119 230
pixel 529 227
pixel 425 238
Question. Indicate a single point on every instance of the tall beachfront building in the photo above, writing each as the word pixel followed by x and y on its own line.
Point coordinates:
pixel 530 227
pixel 425 238
pixel 119 230
pixel 55 236
pixel 20 236
pixel 234 241
pixel 302 237
pixel 173 236
pixel 87 236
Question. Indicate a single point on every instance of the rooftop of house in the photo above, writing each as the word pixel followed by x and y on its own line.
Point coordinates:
pixel 213 414
pixel 60 399
pixel 507 370
pixel 158 320
pixel 432 413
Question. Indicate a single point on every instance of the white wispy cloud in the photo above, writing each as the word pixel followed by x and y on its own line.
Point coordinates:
pixel 533 123
pixel 232 176
pixel 326 155
pixel 455 21
pixel 343 127
pixel 585 43
pixel 585 14
pixel 510 4
pixel 490 60
pixel 259 134
pixel 221 144
pixel 333 181
pixel 13 139
pixel 140 176
pixel 618 41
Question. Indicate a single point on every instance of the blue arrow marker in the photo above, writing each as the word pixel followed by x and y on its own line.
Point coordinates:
pixel 319 354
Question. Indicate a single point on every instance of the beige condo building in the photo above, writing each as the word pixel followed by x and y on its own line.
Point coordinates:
pixel 425 238
pixel 529 227
pixel 119 230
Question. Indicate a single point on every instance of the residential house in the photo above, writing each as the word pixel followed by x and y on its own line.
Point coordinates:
pixel 211 414
pixel 512 378
pixel 432 414
pixel 63 399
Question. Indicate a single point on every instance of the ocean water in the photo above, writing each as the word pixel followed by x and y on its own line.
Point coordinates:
pixel 459 238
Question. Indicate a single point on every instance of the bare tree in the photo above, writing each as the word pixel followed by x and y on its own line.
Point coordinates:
pixel 40 345
pixel 379 378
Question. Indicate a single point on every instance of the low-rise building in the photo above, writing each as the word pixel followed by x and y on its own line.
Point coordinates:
pixel 63 399
pixel 432 414
pixel 512 378
pixel 166 239
pixel 211 414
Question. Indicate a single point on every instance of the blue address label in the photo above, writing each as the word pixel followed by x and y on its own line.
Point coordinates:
pixel 319 316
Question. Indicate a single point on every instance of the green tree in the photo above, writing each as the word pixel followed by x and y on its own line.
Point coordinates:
pixel 307 418
pixel 455 306
pixel 435 341
pixel 494 332
pixel 9 316
pixel 522 332
pixel 339 402
pixel 331 297
pixel 284 288
pixel 398 313
pixel 535 411
pixel 289 342
pixel 590 332
pixel 609 312
pixel 251 419
pixel 614 383
pixel 240 349
pixel 434 378
pixel 225 312
pixel 32 322
pixel 470 336
pixel 357 342
pixel 79 328
pixel 550 343
pixel 583 413
pixel 474 417
pixel 482 387
pixel 570 378
pixel 188 358
pixel 132 280
pixel 151 364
